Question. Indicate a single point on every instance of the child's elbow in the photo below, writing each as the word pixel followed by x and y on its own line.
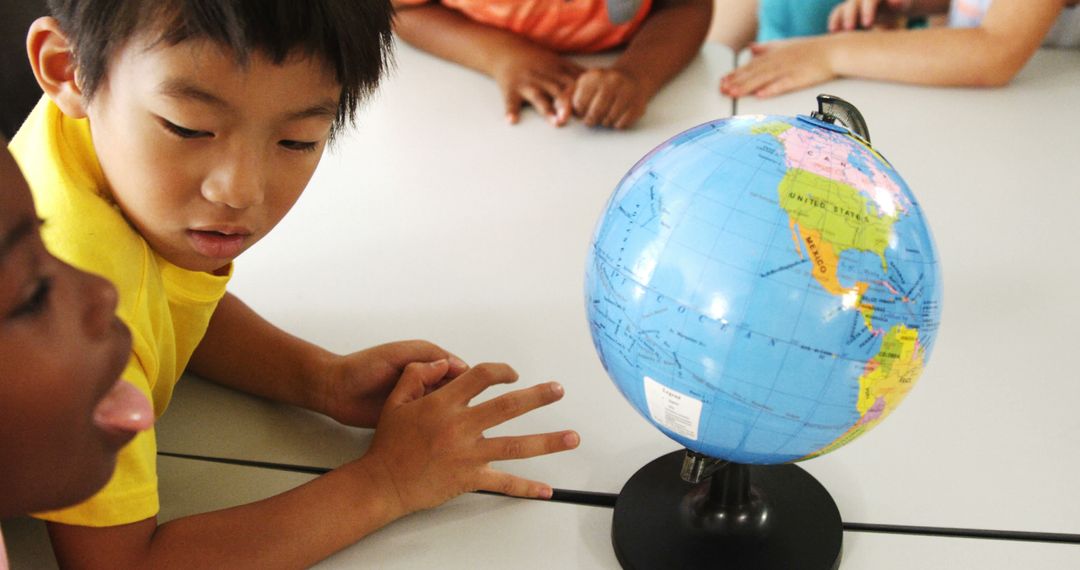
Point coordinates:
pixel 993 78
pixel 1000 63
pixel 1000 69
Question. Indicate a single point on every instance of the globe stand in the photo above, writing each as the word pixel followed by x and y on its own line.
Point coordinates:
pixel 725 515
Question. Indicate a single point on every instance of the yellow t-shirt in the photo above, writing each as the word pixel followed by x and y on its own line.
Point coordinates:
pixel 166 307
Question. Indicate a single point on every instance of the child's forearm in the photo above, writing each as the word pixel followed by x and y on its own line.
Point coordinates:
pixel 944 57
pixel 668 40
pixel 988 55
pixel 429 448
pixel 450 35
pixel 244 351
pixel 293 530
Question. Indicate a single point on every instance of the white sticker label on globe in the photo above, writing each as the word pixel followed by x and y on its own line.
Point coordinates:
pixel 672 409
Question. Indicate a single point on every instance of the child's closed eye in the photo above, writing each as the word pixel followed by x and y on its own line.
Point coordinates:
pixel 36 299
pixel 302 146
pixel 184 132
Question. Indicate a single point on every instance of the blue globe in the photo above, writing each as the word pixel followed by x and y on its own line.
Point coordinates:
pixel 763 289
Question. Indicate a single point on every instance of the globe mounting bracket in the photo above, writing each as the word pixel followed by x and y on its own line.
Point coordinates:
pixel 697 467
pixel 832 109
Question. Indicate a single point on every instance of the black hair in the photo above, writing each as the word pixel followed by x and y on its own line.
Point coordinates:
pixel 353 37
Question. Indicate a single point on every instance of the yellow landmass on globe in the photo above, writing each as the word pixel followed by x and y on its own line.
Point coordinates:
pixel 845 217
pixel 887 379
pixel 774 128
pixel 825 260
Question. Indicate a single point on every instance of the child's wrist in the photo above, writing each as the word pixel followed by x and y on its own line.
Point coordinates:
pixel 321 375
pixel 831 54
pixel 509 50
pixel 386 500
pixel 644 84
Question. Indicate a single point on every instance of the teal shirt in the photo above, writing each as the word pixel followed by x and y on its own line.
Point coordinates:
pixel 781 19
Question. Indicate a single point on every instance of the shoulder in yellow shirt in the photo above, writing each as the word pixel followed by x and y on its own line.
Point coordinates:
pixel 166 307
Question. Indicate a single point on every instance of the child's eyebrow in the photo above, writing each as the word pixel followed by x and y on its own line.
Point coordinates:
pixel 21 231
pixel 183 89
pixel 327 108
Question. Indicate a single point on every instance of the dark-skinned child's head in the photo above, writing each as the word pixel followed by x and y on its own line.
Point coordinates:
pixel 64 412
pixel 209 116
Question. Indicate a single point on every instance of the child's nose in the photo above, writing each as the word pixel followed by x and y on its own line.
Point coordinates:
pixel 101 300
pixel 237 181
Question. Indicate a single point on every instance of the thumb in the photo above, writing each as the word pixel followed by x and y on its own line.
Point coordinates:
pixel 407 352
pixel 415 381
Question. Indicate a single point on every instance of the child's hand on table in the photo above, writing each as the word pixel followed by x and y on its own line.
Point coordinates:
pixel 538 77
pixel 781 66
pixel 358 383
pixel 610 98
pixel 430 447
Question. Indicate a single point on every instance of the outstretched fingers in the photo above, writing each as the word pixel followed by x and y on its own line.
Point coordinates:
pixel 526 446
pixel 519 402
pixel 477 379
pixel 512 486
pixel 748 79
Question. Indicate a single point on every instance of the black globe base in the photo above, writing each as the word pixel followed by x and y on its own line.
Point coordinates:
pixel 759 517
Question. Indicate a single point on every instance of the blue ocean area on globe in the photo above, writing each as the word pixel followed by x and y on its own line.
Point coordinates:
pixel 763 289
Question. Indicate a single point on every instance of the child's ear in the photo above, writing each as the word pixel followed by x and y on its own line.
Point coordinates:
pixel 53 61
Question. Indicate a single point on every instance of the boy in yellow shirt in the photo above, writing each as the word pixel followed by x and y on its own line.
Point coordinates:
pixel 173 136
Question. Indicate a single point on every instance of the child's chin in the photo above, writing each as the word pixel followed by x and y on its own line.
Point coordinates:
pixel 86 484
pixel 203 264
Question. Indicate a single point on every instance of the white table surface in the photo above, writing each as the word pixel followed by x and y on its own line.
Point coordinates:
pixel 476 531
pixel 436 220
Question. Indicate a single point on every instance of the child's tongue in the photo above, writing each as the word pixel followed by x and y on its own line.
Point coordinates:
pixel 125 409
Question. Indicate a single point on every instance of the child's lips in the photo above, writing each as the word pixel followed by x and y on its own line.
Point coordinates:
pixel 218 244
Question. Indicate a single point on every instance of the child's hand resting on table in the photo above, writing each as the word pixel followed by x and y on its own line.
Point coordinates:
pixel 781 66
pixel 538 77
pixel 558 88
pixel 357 384
pixel 520 45
pixel 986 49
pixel 429 446
pixel 609 97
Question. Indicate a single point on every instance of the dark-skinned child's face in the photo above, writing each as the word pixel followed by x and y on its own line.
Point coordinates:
pixel 64 414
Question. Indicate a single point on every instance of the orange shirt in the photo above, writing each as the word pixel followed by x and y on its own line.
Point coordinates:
pixel 561 25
